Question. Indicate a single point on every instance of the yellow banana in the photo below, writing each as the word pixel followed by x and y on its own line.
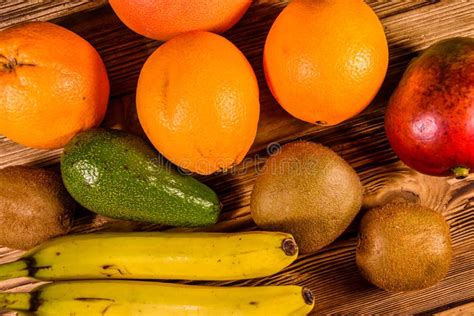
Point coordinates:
pixel 128 298
pixel 157 255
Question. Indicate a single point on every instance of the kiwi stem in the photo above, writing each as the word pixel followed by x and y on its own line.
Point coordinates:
pixel 13 270
pixel 460 172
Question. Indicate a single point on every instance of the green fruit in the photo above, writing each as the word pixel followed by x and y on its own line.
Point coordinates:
pixel 403 247
pixel 118 175
pixel 309 191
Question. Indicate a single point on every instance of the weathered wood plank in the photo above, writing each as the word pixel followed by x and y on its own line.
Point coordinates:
pixel 466 309
pixel 13 12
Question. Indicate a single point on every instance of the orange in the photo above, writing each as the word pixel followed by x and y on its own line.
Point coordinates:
pixel 198 102
pixel 325 60
pixel 163 19
pixel 53 84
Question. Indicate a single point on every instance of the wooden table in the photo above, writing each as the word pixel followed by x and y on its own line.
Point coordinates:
pixel 331 273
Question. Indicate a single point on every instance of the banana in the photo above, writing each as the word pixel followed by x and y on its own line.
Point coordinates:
pixel 127 298
pixel 157 255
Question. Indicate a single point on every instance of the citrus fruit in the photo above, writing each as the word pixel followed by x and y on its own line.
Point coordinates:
pixel 198 102
pixel 324 60
pixel 53 84
pixel 163 19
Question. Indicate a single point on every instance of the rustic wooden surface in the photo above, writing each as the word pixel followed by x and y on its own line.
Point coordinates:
pixel 331 273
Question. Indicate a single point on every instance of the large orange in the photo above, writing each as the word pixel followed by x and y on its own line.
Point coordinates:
pixel 163 19
pixel 325 60
pixel 197 101
pixel 53 84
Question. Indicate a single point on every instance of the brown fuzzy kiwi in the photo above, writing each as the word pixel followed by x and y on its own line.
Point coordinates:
pixel 403 247
pixel 34 206
pixel 309 191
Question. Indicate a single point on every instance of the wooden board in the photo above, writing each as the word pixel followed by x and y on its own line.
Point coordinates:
pixel 331 273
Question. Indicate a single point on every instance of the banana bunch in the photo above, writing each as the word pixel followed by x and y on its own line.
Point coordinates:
pixel 123 298
pixel 157 255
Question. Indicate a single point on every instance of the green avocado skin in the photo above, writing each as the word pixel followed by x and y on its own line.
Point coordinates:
pixel 115 174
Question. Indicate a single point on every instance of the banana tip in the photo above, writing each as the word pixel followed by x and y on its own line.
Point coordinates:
pixel 289 246
pixel 308 296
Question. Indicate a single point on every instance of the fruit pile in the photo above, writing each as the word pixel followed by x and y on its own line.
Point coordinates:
pixel 197 100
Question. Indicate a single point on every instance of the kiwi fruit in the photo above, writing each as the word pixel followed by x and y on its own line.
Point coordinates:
pixel 307 190
pixel 403 247
pixel 34 206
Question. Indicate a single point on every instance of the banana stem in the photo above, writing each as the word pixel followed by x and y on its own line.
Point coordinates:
pixel 13 270
pixel 15 301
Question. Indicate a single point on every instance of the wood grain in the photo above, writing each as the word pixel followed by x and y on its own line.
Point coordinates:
pixel 331 273
pixel 13 12
pixel 467 309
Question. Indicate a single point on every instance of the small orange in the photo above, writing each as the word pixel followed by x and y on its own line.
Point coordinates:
pixel 53 84
pixel 163 19
pixel 325 60
pixel 198 102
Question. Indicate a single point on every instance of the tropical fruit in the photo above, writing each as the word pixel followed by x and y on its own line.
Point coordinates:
pixel 118 298
pixel 309 191
pixel 53 84
pixel 429 119
pixel 164 19
pixel 34 207
pixel 403 247
pixel 325 60
pixel 118 175
pixel 198 102
pixel 157 255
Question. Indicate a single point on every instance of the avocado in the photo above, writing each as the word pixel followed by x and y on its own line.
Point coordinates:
pixel 403 246
pixel 116 174
pixel 307 190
